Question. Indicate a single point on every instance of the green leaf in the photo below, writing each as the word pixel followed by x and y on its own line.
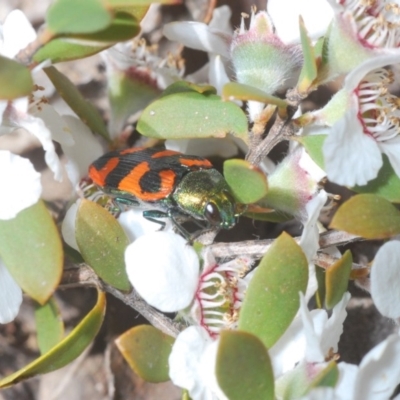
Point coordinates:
pixel 65 351
pixel 15 79
pixel 146 350
pixel 386 184
pixel 248 183
pixel 86 111
pixel 308 72
pixel 337 279
pixel 124 26
pixel 59 50
pixel 49 325
pixel 77 16
pixel 31 249
pixel 313 145
pixel 240 91
pixel 272 297
pixel 321 291
pixel 369 216
pixel 243 367
pixel 102 243
pixel 188 115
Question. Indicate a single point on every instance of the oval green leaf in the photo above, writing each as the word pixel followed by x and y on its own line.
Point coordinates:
pixel 248 183
pixel 59 50
pixel 86 111
pixel 15 79
pixel 146 349
pixel 77 16
pixel 336 279
pixel 243 367
pixel 49 325
pixel 124 26
pixel 367 215
pixel 191 114
pixel 272 297
pixel 102 243
pixel 65 351
pixel 240 91
pixel 185 86
pixel 31 248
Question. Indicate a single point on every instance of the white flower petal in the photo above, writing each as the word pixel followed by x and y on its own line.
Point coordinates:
pixel 391 148
pixel 135 225
pixel 379 372
pixel 10 296
pixel 60 131
pixel 347 380
pixel 221 19
pixel 164 269
pixel 197 36
pixel 17 34
pixel 22 183
pixel 309 240
pixel 68 226
pixel 385 279
pixel 37 127
pixel 285 15
pixel 354 77
pixel 333 329
pixel 185 362
pixel 86 148
pixel 217 75
pixel 351 157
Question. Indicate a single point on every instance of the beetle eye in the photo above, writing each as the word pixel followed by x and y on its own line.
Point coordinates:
pixel 212 213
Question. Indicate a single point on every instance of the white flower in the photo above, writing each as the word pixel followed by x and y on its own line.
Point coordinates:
pixel 385 279
pixel 213 38
pixel 309 337
pixel 164 270
pixel 361 30
pixel 374 379
pixel 192 364
pixel 285 15
pixel 365 123
pixel 20 182
pixel 10 296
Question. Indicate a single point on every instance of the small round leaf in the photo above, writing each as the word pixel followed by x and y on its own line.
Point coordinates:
pixel 31 249
pixel 243 367
pixel 15 79
pixel 102 243
pixel 146 349
pixel 272 297
pixel 368 215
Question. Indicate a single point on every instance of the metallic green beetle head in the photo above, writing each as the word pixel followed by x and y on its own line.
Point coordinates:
pixel 205 195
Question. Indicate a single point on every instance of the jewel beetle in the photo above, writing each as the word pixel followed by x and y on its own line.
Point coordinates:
pixel 167 184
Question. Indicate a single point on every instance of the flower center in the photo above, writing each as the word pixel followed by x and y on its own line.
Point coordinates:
pixel 378 109
pixel 377 21
pixel 219 295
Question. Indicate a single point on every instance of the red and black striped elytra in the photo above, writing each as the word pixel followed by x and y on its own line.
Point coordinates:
pixel 168 184
pixel 149 174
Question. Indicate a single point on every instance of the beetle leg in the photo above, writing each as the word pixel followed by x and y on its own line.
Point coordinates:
pixel 154 215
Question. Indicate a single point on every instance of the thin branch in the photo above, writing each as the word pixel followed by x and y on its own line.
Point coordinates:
pixel 83 275
pixel 257 248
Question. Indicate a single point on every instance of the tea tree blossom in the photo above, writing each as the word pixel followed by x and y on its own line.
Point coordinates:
pixel 364 120
pixel 385 279
pixel 361 30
